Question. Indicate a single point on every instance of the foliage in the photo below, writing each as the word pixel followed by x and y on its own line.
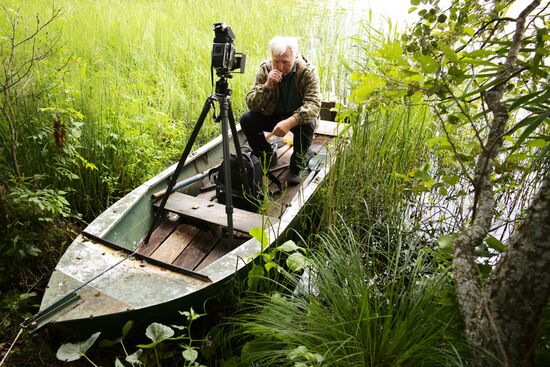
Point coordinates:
pixel 37 219
pixel 114 102
pixel 444 62
pixel 159 335
pixel 74 351
pixel 484 74
pixel 108 99
pixel 288 253
pixel 354 309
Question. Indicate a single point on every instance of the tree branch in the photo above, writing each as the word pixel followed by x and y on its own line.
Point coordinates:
pixel 39 28
pixel 464 267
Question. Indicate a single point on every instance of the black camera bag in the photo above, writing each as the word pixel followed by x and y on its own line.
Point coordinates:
pixel 241 198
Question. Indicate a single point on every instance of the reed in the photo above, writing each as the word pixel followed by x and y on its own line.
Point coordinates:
pixel 376 297
pixel 365 187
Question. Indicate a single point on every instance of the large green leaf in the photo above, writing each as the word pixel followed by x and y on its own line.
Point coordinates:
pixel 450 180
pixel 368 83
pixel 254 277
pixel 297 261
pixel 495 244
pixel 289 246
pixel 446 242
pixel 259 234
pixel 391 51
pixel 157 333
pixel 134 357
pixel 190 354
pixel 428 63
pixel 127 327
pixel 73 351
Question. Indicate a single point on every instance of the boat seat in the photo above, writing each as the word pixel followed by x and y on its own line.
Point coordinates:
pixel 212 212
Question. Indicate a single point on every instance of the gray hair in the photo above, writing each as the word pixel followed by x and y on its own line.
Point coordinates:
pixel 279 44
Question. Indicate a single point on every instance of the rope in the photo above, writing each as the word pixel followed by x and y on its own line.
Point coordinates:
pixel 9 350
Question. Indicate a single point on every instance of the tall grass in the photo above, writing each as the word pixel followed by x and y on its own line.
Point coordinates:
pixel 131 78
pixel 114 106
pixel 377 297
pixel 362 306
pixel 364 187
pixel 388 140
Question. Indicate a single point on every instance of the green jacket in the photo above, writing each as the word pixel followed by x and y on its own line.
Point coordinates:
pixel 261 99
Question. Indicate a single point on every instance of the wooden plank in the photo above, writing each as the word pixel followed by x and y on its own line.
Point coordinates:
pixel 196 251
pixel 218 251
pixel 169 250
pixel 282 150
pixel 149 259
pixel 330 128
pixel 283 159
pixel 211 212
pixel 159 235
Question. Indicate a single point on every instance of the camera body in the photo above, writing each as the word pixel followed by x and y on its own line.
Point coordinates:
pixel 224 56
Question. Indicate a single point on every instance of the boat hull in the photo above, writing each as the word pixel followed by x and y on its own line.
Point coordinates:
pixel 112 284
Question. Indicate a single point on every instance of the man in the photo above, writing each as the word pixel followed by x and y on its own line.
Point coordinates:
pixel 285 97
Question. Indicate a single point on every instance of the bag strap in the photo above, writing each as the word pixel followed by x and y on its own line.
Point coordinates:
pixel 277 182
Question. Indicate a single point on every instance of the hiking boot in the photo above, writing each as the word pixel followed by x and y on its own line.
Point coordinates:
pixel 294 178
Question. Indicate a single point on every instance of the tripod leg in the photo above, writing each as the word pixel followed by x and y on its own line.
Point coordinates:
pixel 158 215
pixel 224 108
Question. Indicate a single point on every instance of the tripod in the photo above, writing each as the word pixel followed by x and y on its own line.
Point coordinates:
pixel 222 95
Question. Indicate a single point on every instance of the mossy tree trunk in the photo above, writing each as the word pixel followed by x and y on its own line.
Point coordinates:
pixel 502 313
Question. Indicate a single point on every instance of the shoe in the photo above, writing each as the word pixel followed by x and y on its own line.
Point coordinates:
pixel 294 178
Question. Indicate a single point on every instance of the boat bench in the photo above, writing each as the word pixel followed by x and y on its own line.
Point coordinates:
pixel 212 212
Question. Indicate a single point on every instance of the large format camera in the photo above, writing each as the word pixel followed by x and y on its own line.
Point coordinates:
pixel 224 56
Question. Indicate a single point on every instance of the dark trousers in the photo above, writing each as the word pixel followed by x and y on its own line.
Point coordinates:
pixel 254 124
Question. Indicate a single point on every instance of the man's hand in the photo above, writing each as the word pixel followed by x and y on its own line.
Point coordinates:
pixel 284 126
pixel 273 78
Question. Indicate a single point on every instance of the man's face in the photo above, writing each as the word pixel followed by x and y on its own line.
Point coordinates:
pixel 283 62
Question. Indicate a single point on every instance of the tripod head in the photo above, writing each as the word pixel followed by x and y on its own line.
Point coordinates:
pixel 222 88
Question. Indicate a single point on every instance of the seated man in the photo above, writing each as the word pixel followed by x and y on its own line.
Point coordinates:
pixel 285 97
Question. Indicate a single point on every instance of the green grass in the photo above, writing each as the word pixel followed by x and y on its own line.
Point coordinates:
pixel 379 298
pixel 123 89
pixel 364 306
pixel 136 75
pixel 364 187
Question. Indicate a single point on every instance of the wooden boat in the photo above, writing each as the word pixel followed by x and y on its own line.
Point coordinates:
pixel 109 275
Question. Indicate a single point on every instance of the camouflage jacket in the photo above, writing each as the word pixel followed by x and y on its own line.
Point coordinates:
pixel 264 100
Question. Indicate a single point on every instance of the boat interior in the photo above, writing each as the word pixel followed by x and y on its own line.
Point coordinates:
pixel 192 235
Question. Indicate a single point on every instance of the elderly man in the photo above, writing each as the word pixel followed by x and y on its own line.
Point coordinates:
pixel 285 97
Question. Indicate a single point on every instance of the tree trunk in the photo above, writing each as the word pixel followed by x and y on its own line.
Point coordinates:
pixel 520 285
pixel 501 315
